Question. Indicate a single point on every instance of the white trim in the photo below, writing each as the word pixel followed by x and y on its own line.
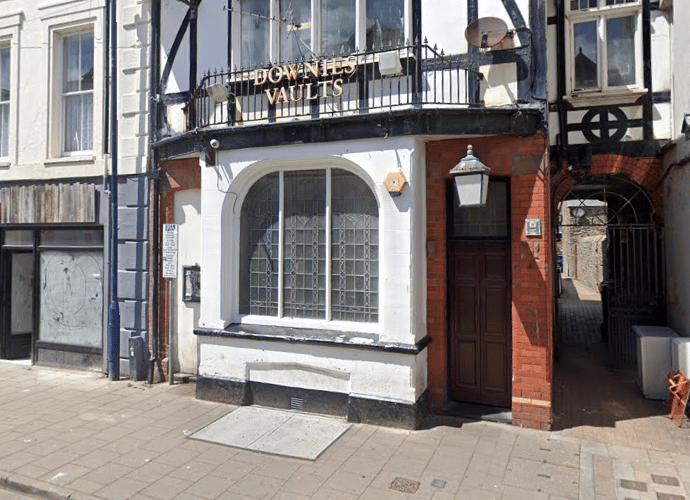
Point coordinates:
pixel 10 29
pixel 67 24
pixel 601 15
pixel 316 39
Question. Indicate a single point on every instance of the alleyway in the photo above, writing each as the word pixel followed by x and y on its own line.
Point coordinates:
pixel 593 401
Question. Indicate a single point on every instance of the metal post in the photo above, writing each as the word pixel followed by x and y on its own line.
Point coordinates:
pixel 171 342
pixel 114 309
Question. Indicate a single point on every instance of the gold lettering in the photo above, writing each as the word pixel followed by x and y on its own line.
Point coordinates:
pixel 325 87
pixel 272 95
pixel 309 96
pixel 290 71
pixel 260 77
pixel 308 67
pixel 275 79
pixel 301 92
pixel 324 67
pixel 338 87
pixel 337 66
pixel 282 96
pixel 351 62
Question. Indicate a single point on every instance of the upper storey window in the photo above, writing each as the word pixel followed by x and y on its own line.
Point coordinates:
pixel 77 92
pixel 289 30
pixel 605 45
pixel 4 101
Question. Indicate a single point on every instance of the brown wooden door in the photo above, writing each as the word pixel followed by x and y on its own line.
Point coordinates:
pixel 480 346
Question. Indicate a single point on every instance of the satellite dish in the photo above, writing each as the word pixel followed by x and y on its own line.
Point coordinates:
pixel 486 32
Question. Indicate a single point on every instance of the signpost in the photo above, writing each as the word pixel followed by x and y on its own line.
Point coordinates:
pixel 170 244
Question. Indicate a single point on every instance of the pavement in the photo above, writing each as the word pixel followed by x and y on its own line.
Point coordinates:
pixel 75 435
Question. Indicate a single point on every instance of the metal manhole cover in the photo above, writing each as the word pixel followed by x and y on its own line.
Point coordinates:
pixel 405 485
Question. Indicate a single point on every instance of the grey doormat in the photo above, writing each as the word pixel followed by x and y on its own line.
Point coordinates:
pixel 274 431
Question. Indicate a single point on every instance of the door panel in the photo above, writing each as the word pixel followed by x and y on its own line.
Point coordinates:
pixel 480 348
pixel 19 288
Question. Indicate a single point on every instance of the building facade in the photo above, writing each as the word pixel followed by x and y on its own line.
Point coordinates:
pixel 676 164
pixel 55 175
pixel 310 186
pixel 610 120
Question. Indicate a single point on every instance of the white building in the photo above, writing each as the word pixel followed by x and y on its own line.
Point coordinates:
pixel 677 179
pixel 310 185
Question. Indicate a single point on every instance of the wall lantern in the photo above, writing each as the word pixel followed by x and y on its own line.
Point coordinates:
pixel 390 64
pixel 471 180
pixel 217 92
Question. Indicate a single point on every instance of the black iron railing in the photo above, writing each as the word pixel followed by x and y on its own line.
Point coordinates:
pixel 415 75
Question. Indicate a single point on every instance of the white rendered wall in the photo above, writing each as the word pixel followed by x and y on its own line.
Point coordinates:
pixel 32 30
pixel 186 314
pixel 677 184
pixel 402 308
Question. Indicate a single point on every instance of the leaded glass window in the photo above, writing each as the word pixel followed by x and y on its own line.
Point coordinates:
pixel 490 220
pixel 304 262
pixel 289 246
pixel 260 234
pixel 354 242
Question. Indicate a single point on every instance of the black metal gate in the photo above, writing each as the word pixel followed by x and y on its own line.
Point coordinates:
pixel 633 291
pixel 633 288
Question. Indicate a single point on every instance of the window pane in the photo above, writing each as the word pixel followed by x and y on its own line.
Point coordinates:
pixel 19 237
pixel 4 101
pixel 295 30
pixel 4 130
pixel 620 58
pixel 259 250
pixel 586 55
pixel 385 25
pixel 4 75
pixel 337 27
pixel 72 60
pixel 304 263
pixel 79 122
pixel 84 237
pixel 71 297
pixel 489 220
pixel 354 247
pixel 255 29
pixel 86 69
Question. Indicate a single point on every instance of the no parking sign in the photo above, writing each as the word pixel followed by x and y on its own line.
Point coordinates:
pixel 170 250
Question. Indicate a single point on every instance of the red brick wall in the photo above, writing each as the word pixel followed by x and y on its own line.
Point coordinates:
pixel 176 175
pixel 524 159
pixel 646 171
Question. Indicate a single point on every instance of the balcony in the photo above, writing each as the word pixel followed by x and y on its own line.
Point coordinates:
pixel 409 77
pixel 409 90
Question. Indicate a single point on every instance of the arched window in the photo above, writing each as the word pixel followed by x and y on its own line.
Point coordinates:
pixel 309 247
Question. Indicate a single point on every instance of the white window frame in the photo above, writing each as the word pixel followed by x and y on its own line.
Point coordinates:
pixel 65 95
pixel 88 20
pixel 281 319
pixel 274 33
pixel 601 15
pixel 10 25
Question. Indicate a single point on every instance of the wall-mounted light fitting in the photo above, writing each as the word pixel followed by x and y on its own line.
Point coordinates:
pixel 471 180
pixel 389 63
pixel 218 92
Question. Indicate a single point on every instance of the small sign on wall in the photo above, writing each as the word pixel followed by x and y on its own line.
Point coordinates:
pixel 532 227
pixel 170 250
pixel 191 283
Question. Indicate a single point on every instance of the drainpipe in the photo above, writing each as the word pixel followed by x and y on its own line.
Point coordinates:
pixel 114 309
pixel 154 175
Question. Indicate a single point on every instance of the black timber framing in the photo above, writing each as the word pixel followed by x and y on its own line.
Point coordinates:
pixel 644 147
